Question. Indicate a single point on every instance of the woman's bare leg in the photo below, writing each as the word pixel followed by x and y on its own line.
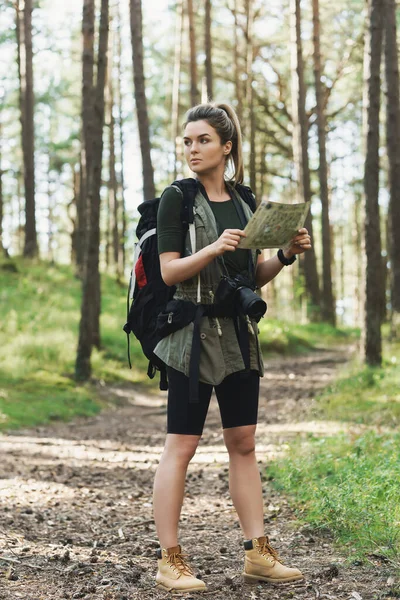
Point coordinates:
pixel 244 479
pixel 169 485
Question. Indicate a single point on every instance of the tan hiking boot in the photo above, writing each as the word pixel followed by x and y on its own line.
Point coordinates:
pixel 262 563
pixel 174 574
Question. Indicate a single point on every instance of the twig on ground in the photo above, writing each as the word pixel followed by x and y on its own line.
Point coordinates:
pixel 26 564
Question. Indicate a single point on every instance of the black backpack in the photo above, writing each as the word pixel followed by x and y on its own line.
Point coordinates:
pixel 147 292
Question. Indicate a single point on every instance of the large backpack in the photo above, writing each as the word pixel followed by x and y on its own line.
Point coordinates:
pixel 147 292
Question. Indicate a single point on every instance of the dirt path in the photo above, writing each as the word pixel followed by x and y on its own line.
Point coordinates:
pixel 76 513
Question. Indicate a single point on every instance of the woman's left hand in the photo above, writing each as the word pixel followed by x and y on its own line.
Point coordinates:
pixel 299 244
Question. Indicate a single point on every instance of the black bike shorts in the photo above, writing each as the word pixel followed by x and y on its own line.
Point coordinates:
pixel 237 397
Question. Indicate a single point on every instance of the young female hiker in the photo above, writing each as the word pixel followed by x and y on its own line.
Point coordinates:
pixel 212 139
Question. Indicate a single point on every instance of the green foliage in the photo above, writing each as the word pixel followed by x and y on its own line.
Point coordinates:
pixel 349 485
pixel 288 338
pixel 349 482
pixel 40 308
pixel 366 395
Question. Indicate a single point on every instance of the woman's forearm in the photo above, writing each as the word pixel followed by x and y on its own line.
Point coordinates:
pixel 175 270
pixel 267 270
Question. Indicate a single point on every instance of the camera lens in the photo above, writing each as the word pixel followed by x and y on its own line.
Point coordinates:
pixel 250 303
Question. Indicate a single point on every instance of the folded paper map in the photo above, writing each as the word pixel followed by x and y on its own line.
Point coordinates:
pixel 273 225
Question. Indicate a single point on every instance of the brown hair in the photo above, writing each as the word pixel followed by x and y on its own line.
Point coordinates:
pixel 223 118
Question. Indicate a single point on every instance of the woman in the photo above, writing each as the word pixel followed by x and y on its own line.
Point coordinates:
pixel 212 139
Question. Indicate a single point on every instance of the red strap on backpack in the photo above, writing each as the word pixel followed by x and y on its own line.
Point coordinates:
pixel 140 273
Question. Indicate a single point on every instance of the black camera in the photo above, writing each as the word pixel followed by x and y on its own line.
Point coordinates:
pixel 236 295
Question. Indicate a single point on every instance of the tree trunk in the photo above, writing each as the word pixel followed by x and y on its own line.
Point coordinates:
pixel 140 98
pixel 300 150
pixel 328 304
pixel 250 120
pixel 1 195
pixel 208 49
pixel 175 131
pixel 112 185
pixel 121 258
pixel 83 209
pixel 26 98
pixel 73 207
pixel 194 88
pixel 393 149
pixel 357 240
pixel 373 342
pixel 238 82
pixel 50 216
pixel 89 330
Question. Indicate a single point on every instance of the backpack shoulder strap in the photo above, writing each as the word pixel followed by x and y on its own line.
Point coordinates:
pixel 247 195
pixel 189 188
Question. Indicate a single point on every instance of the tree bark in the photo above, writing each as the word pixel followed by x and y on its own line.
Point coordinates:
pixel 236 50
pixel 208 49
pixel 328 303
pixel 300 150
pixel 251 125
pixel 194 88
pixel 393 149
pixel 122 257
pixel 76 183
pixel 83 208
pixel 1 194
pixel 112 184
pixel 373 290
pixel 175 131
pixel 27 101
pixel 89 329
pixel 140 98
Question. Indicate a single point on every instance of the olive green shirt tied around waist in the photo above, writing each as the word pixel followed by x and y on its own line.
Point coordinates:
pixel 220 355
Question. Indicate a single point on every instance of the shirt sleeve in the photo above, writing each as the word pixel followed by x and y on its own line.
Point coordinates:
pixel 169 223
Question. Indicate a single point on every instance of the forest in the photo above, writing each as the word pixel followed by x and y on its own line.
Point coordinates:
pixel 93 97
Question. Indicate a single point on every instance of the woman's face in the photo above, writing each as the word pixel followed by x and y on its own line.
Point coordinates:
pixel 203 149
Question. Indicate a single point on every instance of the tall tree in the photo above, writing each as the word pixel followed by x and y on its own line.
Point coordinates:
pixel 250 120
pixel 112 183
pixel 208 49
pixel 328 304
pixel 89 330
pixel 1 194
pixel 179 28
pixel 393 148
pixel 121 142
pixel 194 88
pixel 26 98
pixel 140 98
pixel 373 312
pixel 236 58
pixel 300 146
pixel 83 212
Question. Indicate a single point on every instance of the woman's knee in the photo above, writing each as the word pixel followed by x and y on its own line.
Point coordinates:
pixel 240 442
pixel 181 447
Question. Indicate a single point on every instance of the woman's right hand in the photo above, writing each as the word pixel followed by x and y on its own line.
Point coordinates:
pixel 227 242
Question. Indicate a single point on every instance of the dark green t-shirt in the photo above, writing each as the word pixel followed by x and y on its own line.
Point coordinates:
pixel 170 231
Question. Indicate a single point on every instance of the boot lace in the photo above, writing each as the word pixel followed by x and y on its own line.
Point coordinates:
pixel 266 548
pixel 178 563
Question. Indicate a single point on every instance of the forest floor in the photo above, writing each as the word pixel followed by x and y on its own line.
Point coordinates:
pixel 76 517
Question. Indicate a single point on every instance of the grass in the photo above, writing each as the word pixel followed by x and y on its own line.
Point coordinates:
pixel 350 482
pixel 40 308
pixel 288 338
pixel 366 395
